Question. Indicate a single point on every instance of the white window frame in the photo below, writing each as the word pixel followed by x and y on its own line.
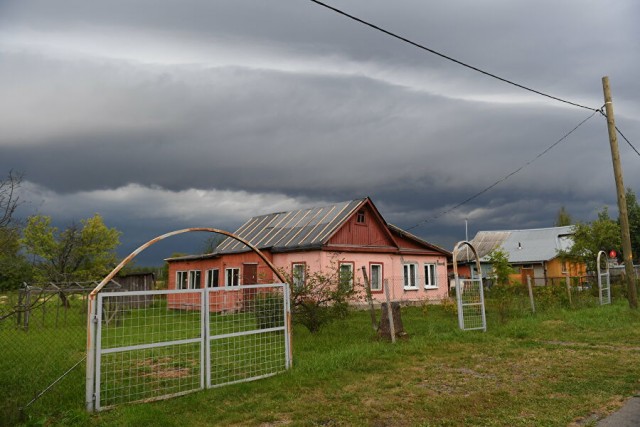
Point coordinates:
pixel 231 270
pixel 209 278
pixel 351 272
pixel 408 267
pixel 298 277
pixel 379 284
pixel 182 279
pixel 430 275
pixel 195 279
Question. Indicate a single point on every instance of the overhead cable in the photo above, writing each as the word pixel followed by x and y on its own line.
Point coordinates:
pixel 501 180
pixel 449 58
pixel 628 142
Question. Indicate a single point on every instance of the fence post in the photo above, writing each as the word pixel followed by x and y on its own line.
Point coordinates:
pixel 533 304
pixel 567 281
pixel 392 326
pixel 374 323
pixel 91 353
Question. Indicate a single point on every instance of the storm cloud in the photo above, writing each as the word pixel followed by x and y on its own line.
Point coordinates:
pixel 163 115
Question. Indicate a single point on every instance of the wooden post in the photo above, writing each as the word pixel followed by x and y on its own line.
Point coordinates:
pixel 567 281
pixel 392 327
pixel 622 198
pixel 533 304
pixel 374 323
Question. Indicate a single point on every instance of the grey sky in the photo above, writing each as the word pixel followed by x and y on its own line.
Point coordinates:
pixel 162 115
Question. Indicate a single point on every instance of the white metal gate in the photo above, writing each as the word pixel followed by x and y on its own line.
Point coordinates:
pixel 469 294
pixel 159 344
pixel 604 280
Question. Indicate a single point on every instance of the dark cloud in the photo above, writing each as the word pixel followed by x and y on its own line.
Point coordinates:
pixel 152 118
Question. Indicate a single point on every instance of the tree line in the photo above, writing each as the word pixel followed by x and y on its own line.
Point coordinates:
pixel 35 251
pixel 602 234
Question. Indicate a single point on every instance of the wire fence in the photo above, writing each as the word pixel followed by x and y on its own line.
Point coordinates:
pixel 39 343
pixel 538 295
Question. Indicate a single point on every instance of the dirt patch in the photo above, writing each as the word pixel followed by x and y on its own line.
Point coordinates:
pixel 162 368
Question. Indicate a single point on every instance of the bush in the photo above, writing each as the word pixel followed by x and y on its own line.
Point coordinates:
pixel 319 298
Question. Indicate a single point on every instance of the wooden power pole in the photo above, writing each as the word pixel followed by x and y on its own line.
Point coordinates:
pixel 622 199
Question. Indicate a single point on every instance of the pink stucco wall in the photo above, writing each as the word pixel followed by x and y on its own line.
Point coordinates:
pixel 392 270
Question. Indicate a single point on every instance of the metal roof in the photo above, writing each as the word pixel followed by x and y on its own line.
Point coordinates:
pixel 522 246
pixel 284 231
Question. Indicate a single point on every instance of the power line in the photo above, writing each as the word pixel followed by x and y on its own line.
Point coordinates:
pixel 435 52
pixel 478 194
pixel 628 142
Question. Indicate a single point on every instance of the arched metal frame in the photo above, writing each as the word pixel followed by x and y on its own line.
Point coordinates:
pixel 460 288
pixel 91 312
pixel 604 279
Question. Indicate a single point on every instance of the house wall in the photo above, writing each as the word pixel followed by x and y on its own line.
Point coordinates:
pixel 325 261
pixel 219 301
pixel 392 271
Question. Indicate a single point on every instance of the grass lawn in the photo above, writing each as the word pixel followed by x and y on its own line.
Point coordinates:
pixel 552 369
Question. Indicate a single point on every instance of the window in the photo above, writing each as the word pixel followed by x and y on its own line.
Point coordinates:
pixel 346 274
pixel 375 277
pixel 182 280
pixel 430 276
pixel 213 278
pixel 298 272
pixel 194 279
pixel 232 277
pixel 360 218
pixel 410 276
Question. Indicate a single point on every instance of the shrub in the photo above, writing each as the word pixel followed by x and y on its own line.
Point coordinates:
pixel 320 297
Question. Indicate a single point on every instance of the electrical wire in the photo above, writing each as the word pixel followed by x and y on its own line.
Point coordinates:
pixel 449 58
pixel 501 180
pixel 628 142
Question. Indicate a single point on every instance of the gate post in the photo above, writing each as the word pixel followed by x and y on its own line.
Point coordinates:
pixel 91 354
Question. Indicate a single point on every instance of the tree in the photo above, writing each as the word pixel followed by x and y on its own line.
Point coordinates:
pixel 14 268
pixel 502 269
pixel 211 243
pixel 79 253
pixel 9 199
pixel 633 212
pixel 602 234
pixel 563 218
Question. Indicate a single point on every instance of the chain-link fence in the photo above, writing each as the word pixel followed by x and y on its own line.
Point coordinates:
pixel 43 339
pixel 43 335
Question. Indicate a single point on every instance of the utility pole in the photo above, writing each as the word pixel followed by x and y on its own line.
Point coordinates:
pixel 622 198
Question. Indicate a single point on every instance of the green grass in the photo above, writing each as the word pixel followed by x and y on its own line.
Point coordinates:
pixel 548 369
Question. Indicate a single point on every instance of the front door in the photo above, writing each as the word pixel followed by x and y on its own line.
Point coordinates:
pixel 249 277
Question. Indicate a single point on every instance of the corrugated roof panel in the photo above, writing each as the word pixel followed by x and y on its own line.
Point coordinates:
pixel 309 236
pixel 312 220
pixel 288 230
pixel 523 246
pixel 344 213
pixel 291 227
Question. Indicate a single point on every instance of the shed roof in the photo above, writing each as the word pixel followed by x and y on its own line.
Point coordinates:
pixel 522 246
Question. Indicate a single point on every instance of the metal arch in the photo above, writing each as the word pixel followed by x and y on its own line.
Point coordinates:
pixel 601 275
pixel 455 258
pixel 174 233
pixel 91 308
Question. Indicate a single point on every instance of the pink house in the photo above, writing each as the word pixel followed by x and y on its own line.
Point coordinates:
pixel 344 236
